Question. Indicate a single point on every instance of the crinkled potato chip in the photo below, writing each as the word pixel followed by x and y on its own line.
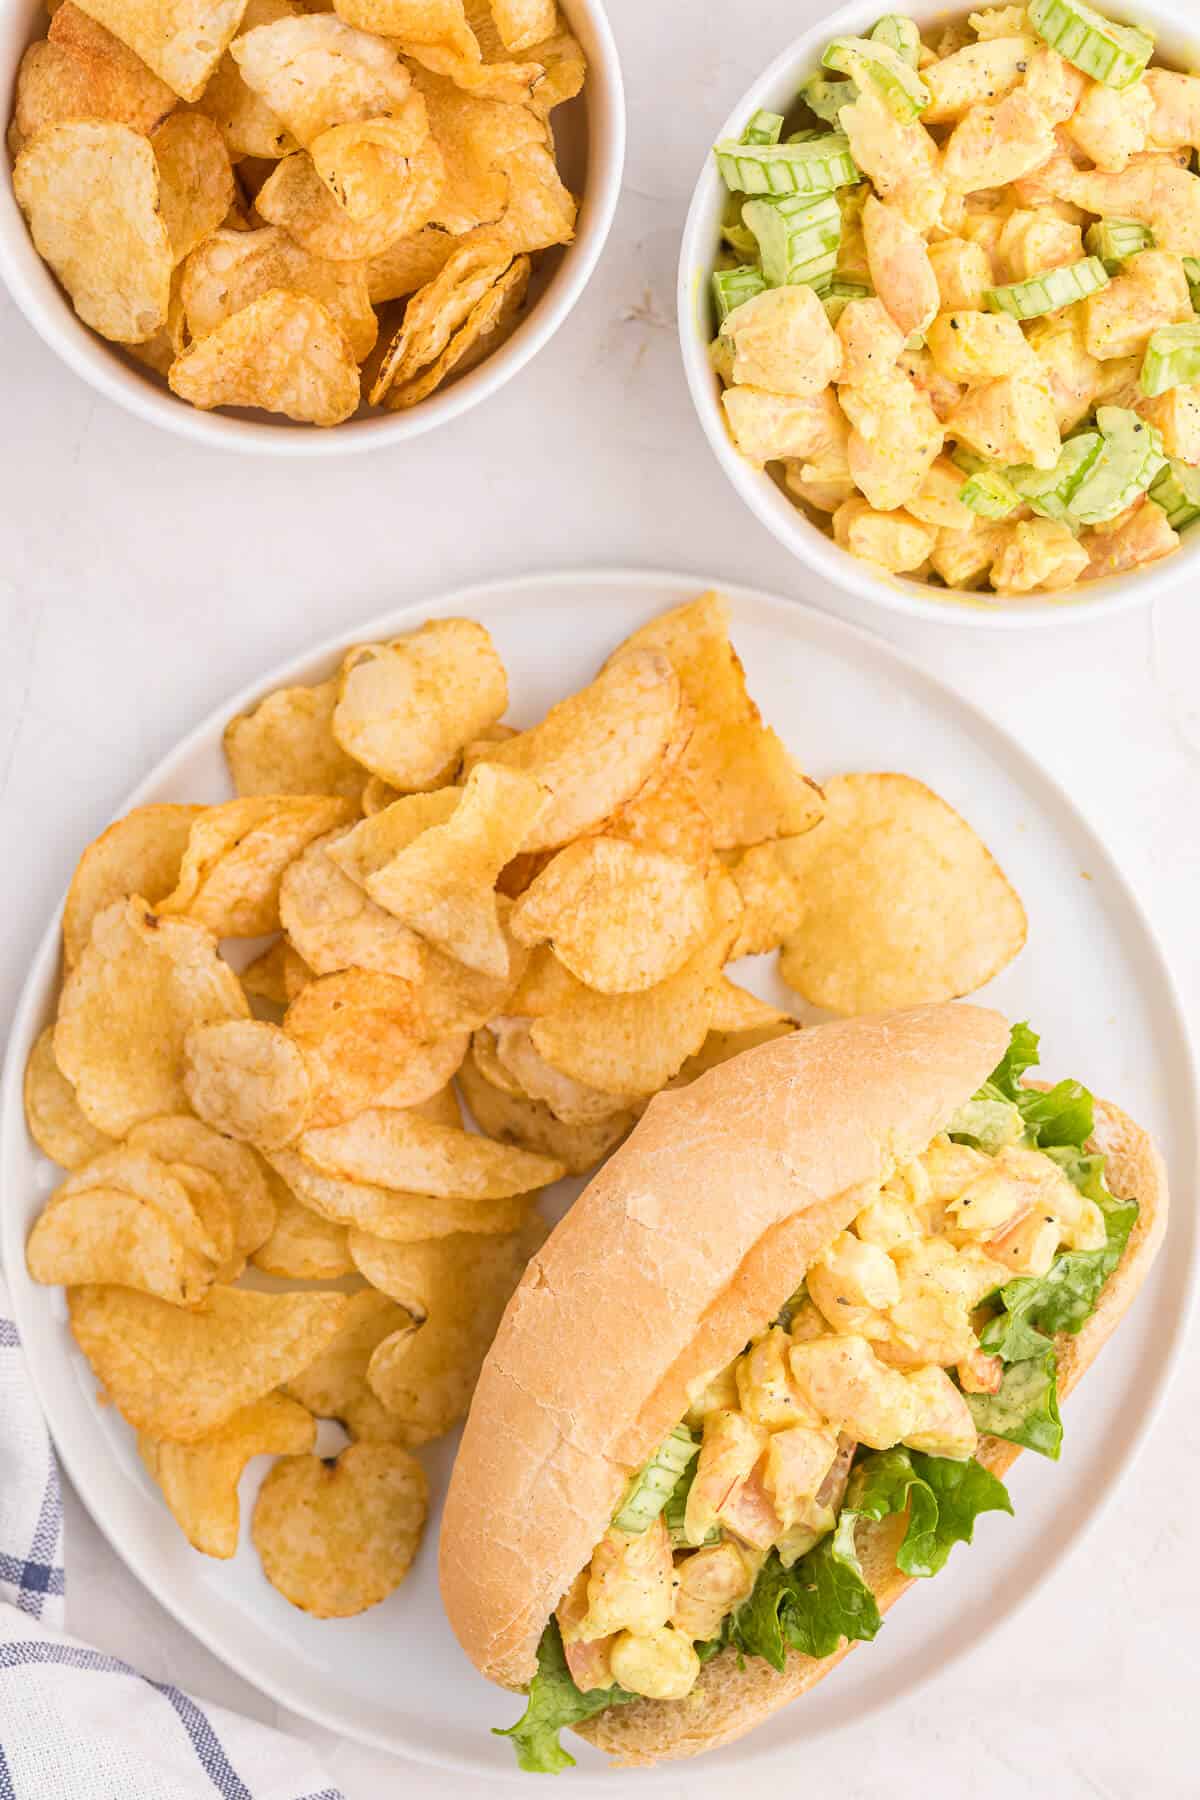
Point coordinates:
pixel 363 1041
pixel 182 1374
pixel 315 71
pixel 371 844
pixel 545 987
pixel 454 998
pixel 558 60
pixel 284 353
pixel 295 197
pixel 720 1046
pixel 304 1246
pixel 285 744
pixel 490 322
pixel 772 903
pixel 195 179
pixel 666 816
pixel 56 1124
pixel 243 117
pixel 226 273
pixel 334 1385
pixel 249 1080
pixel 596 749
pixel 140 854
pixel 443 883
pixel 214 1209
pixel 540 211
pixel 199 1481
pixel 338 1538
pixel 433 315
pixel 409 263
pixel 90 192
pixel 140 985
pixel 378 793
pixel 182 40
pixel 402 1150
pixel 334 925
pixel 406 708
pixel 160 351
pixel 736 1009
pixel 480 141
pixel 368 163
pixel 109 1235
pixel 416 23
pixel 142 1176
pixel 442 1108
pixel 234 1166
pixel 524 23
pixel 278 975
pixel 513 1119
pixel 237 853
pixel 903 904
pixel 515 1063
pixel 392 1212
pixel 619 917
pixel 81 71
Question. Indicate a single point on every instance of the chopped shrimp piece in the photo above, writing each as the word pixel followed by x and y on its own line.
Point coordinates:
pixel 942 393
pixel 1032 242
pixel 768 426
pixel 937 503
pixel 587 1658
pixel 900 268
pixel 894 541
pixel 1145 538
pixel 1153 189
pixel 708 1584
pixel 630 1582
pixel 1177 415
pixel 939 1289
pixel 845 1382
pixel 982 225
pixel 797 1462
pixel 885 1221
pixel 1010 420
pixel 765 1387
pixel 962 271
pixel 731 1447
pixel 962 558
pixel 1175 121
pixel 1016 1181
pixel 978 346
pixel 783 342
pixel 1027 1247
pixel 1040 553
pixel 997 144
pixel 749 1514
pixel 980 72
pixel 823 493
pixel 660 1663
pixel 948 1167
pixel 870 341
pixel 851 1279
pixel 979 1373
pixel 895 437
pixel 1073 374
pixel 901 160
pixel 943 1424
pixel 1054 85
pixel 1152 290
pixel 1111 126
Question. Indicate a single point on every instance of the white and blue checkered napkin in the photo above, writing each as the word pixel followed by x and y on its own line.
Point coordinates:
pixel 76 1724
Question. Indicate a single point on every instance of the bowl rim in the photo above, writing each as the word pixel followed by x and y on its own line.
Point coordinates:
pixel 786 522
pixel 49 312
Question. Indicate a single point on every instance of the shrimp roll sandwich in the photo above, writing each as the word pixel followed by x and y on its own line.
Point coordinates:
pixel 772 1366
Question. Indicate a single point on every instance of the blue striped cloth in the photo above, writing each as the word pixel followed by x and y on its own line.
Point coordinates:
pixel 76 1724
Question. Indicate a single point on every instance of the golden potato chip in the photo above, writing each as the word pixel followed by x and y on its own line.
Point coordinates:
pixel 90 192
pixel 304 1246
pixel 237 853
pixel 199 1481
pixel 433 315
pixel 371 844
pixel 442 1108
pixel 160 351
pixel 140 985
pixel 443 883
pixel 249 1080
pixel 182 1374
pixel 214 1209
pixel 140 854
pixel 490 322
pixel 392 1212
pixel 376 794
pixel 109 1235
pixel 81 71
pixel 334 1385
pixel 720 1046
pixel 142 1176
pixel 368 163
pixel 283 352
pixel 243 117
pixel 454 998
pixel 195 179
pixel 315 71
pixel 56 1124
pixel 226 273
pixel 333 924
pixel 238 1172
pixel 363 1041
pixel 772 904
pixel 539 211
pixel 736 1009
pixel 902 902
pixel 182 40
pixel 295 197
pixel 406 708
pixel 665 816
pixel 558 60
pixel 402 1150
pixel 596 749
pixel 285 744
pixel 513 1119
pixel 480 141
pixel 278 975
pixel 619 917
pixel 415 23
pixel 512 82
pixel 338 1538
pixel 523 23
pixel 545 987
pixel 409 263
pixel 515 1064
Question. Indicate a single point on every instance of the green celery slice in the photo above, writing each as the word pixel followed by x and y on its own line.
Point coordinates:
pixel 900 34
pixel 1114 241
pixel 764 128
pixel 654 1484
pixel 987 493
pixel 732 287
pixel 1172 359
pixel 1047 292
pixel 877 66
pixel 1049 491
pixel 816 166
pixel 1115 55
pixel 840 292
pixel 826 98
pixel 798 237
pixel 1176 488
pixel 1129 458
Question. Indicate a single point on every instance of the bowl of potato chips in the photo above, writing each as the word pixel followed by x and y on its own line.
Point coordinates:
pixel 246 220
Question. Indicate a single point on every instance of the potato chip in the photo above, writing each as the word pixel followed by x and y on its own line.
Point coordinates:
pixel 545 987
pixel 182 1374
pixel 409 263
pixel 214 1209
pixel 142 1176
pixel 334 1385
pixel 402 1150
pixel 334 925
pixel 109 1235
pixel 433 315
pixel 513 1119
pixel 140 854
pixel 378 793
pixel 902 902
pixel 736 1009
pixel 392 1212
pixel 371 844
pixel 303 1246
pixel 199 1481
pixel 772 904
pixel 249 1080
pixel 140 985
pixel 596 749
pixel 363 1041
pixel 338 1538
pixel 665 816
pixel 226 273
pixel 491 320
pixel 278 975
pixel 237 853
pixel 524 23
pixel 285 744
pixel 238 1172
pixel 195 179
pixel 479 140
pixel 408 707
pixel 295 197
pixel 620 918
pixel 368 163
pixel 81 71
pixel 442 1108
pixel 182 40
pixel 539 211
pixel 454 998
pixel 557 58
pixel 443 883
pixel 315 71
pixel 89 190
pixel 720 1046
pixel 515 1064
pixel 283 352
pixel 56 1124
pixel 512 82
pixel 160 351
pixel 244 119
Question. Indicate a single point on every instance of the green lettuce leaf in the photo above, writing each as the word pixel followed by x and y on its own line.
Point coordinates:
pixel 944 1498
pixel 554 1702
pixel 989 1121
pixel 1062 1116
pixel 1025 1408
pixel 1022 1054
pixel 1037 1307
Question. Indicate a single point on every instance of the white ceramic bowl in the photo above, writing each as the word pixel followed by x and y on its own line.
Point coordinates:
pixel 1178 44
pixel 590 134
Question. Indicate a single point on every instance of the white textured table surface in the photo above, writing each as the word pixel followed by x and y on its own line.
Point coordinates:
pixel 143 580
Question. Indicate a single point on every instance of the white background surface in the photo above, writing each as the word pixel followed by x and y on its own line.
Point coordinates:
pixel 142 580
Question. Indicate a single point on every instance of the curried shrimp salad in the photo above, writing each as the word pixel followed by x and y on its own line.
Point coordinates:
pixel 957 298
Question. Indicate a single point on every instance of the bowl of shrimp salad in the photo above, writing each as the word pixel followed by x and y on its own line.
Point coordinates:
pixel 939 306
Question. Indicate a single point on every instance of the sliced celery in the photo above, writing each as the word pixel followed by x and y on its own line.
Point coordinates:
pixel 987 493
pixel 798 238
pixel 1049 291
pixel 826 98
pixel 815 167
pixel 900 34
pixel 764 128
pixel 654 1484
pixel 1114 241
pixel 1050 491
pixel 1129 458
pixel 1115 55
pixel 877 66
pixel 1172 359
pixel 840 292
pixel 731 287
pixel 1176 488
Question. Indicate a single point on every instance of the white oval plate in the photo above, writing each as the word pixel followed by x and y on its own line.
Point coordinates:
pixel 1091 978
